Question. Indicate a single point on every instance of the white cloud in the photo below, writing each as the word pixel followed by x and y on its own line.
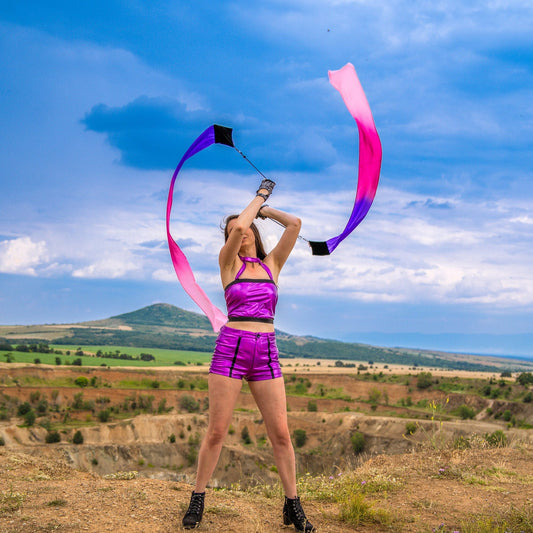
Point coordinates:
pixel 22 256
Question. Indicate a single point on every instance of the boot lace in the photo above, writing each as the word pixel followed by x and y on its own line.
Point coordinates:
pixel 195 507
pixel 298 511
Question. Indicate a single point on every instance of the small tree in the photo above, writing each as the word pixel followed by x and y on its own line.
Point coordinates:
pixel 466 412
pixel 78 437
pixel 358 442
pixel 300 437
pixel 52 437
pixel 81 381
pixel 424 380
pixel 103 415
pixel 245 435
pixel 189 404
pixel 29 418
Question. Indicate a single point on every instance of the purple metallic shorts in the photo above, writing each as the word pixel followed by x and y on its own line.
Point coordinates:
pixel 246 354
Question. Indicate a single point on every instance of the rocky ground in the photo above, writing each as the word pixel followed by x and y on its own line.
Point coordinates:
pixel 473 490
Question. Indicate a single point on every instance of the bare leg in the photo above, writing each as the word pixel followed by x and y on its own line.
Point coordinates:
pixel 223 394
pixel 270 398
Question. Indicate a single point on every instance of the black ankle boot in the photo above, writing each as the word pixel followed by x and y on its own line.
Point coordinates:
pixel 194 513
pixel 294 514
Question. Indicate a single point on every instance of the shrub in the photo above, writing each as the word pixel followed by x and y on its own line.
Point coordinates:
pixel 172 438
pixel 410 428
pixel 245 435
pixel 29 418
pixel 466 412
pixel 23 409
pixel 424 380
pixel 528 398
pixel 497 439
pixel 103 415
pixel 312 406
pixel 358 442
pixel 52 437
pixel 78 437
pixel 2 441
pixel 77 362
pixel 189 404
pixel 300 437
pixel 81 381
pixel 525 379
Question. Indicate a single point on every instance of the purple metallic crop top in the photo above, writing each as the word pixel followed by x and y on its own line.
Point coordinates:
pixel 251 300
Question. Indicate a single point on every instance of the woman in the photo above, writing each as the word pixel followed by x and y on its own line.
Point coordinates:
pixel 246 348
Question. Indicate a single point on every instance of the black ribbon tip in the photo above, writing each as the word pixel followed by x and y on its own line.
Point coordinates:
pixel 319 248
pixel 223 135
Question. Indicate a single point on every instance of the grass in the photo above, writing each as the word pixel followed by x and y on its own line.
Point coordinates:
pixel 162 357
pixel 11 501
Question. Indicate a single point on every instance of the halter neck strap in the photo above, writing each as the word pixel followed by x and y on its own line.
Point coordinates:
pixel 252 260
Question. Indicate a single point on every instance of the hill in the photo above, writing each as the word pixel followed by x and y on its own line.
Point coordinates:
pixel 169 327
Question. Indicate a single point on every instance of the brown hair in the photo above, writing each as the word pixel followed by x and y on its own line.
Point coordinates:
pixel 259 248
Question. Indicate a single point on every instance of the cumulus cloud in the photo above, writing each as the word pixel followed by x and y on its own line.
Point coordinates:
pixel 22 256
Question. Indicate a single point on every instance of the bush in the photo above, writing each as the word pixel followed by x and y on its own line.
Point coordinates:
pixel 497 439
pixel 424 380
pixel 81 381
pixel 52 437
pixel 172 438
pixel 358 442
pixel 29 418
pixel 525 379
pixel 312 406
pixel 189 404
pixel 103 415
pixel 78 437
pixel 77 362
pixel 245 435
pixel 528 398
pixel 300 437
pixel 410 428
pixel 23 409
pixel 466 412
pixel 2 441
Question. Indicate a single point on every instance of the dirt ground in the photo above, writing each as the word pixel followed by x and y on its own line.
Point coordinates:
pixel 429 491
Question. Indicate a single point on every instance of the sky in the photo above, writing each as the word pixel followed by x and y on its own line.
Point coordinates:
pixel 99 101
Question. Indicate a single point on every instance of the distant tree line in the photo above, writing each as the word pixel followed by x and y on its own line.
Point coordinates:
pixel 40 347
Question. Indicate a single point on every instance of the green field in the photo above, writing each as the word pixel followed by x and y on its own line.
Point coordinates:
pixel 162 357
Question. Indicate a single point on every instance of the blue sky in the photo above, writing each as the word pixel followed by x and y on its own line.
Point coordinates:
pixel 99 100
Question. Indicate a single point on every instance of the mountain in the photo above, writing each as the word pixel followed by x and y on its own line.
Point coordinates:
pixel 166 326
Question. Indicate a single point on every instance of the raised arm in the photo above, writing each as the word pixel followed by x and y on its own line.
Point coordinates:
pixel 230 250
pixel 279 254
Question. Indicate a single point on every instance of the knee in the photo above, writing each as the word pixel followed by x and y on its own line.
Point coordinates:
pixel 215 436
pixel 281 439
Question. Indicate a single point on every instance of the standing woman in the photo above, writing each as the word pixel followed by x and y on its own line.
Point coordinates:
pixel 246 348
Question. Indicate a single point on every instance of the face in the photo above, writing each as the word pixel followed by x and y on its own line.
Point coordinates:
pixel 248 236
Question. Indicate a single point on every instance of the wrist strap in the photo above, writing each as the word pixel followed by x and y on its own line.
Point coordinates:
pixel 263 195
pixel 259 214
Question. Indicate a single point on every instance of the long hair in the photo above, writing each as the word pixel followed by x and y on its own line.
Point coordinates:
pixel 259 247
